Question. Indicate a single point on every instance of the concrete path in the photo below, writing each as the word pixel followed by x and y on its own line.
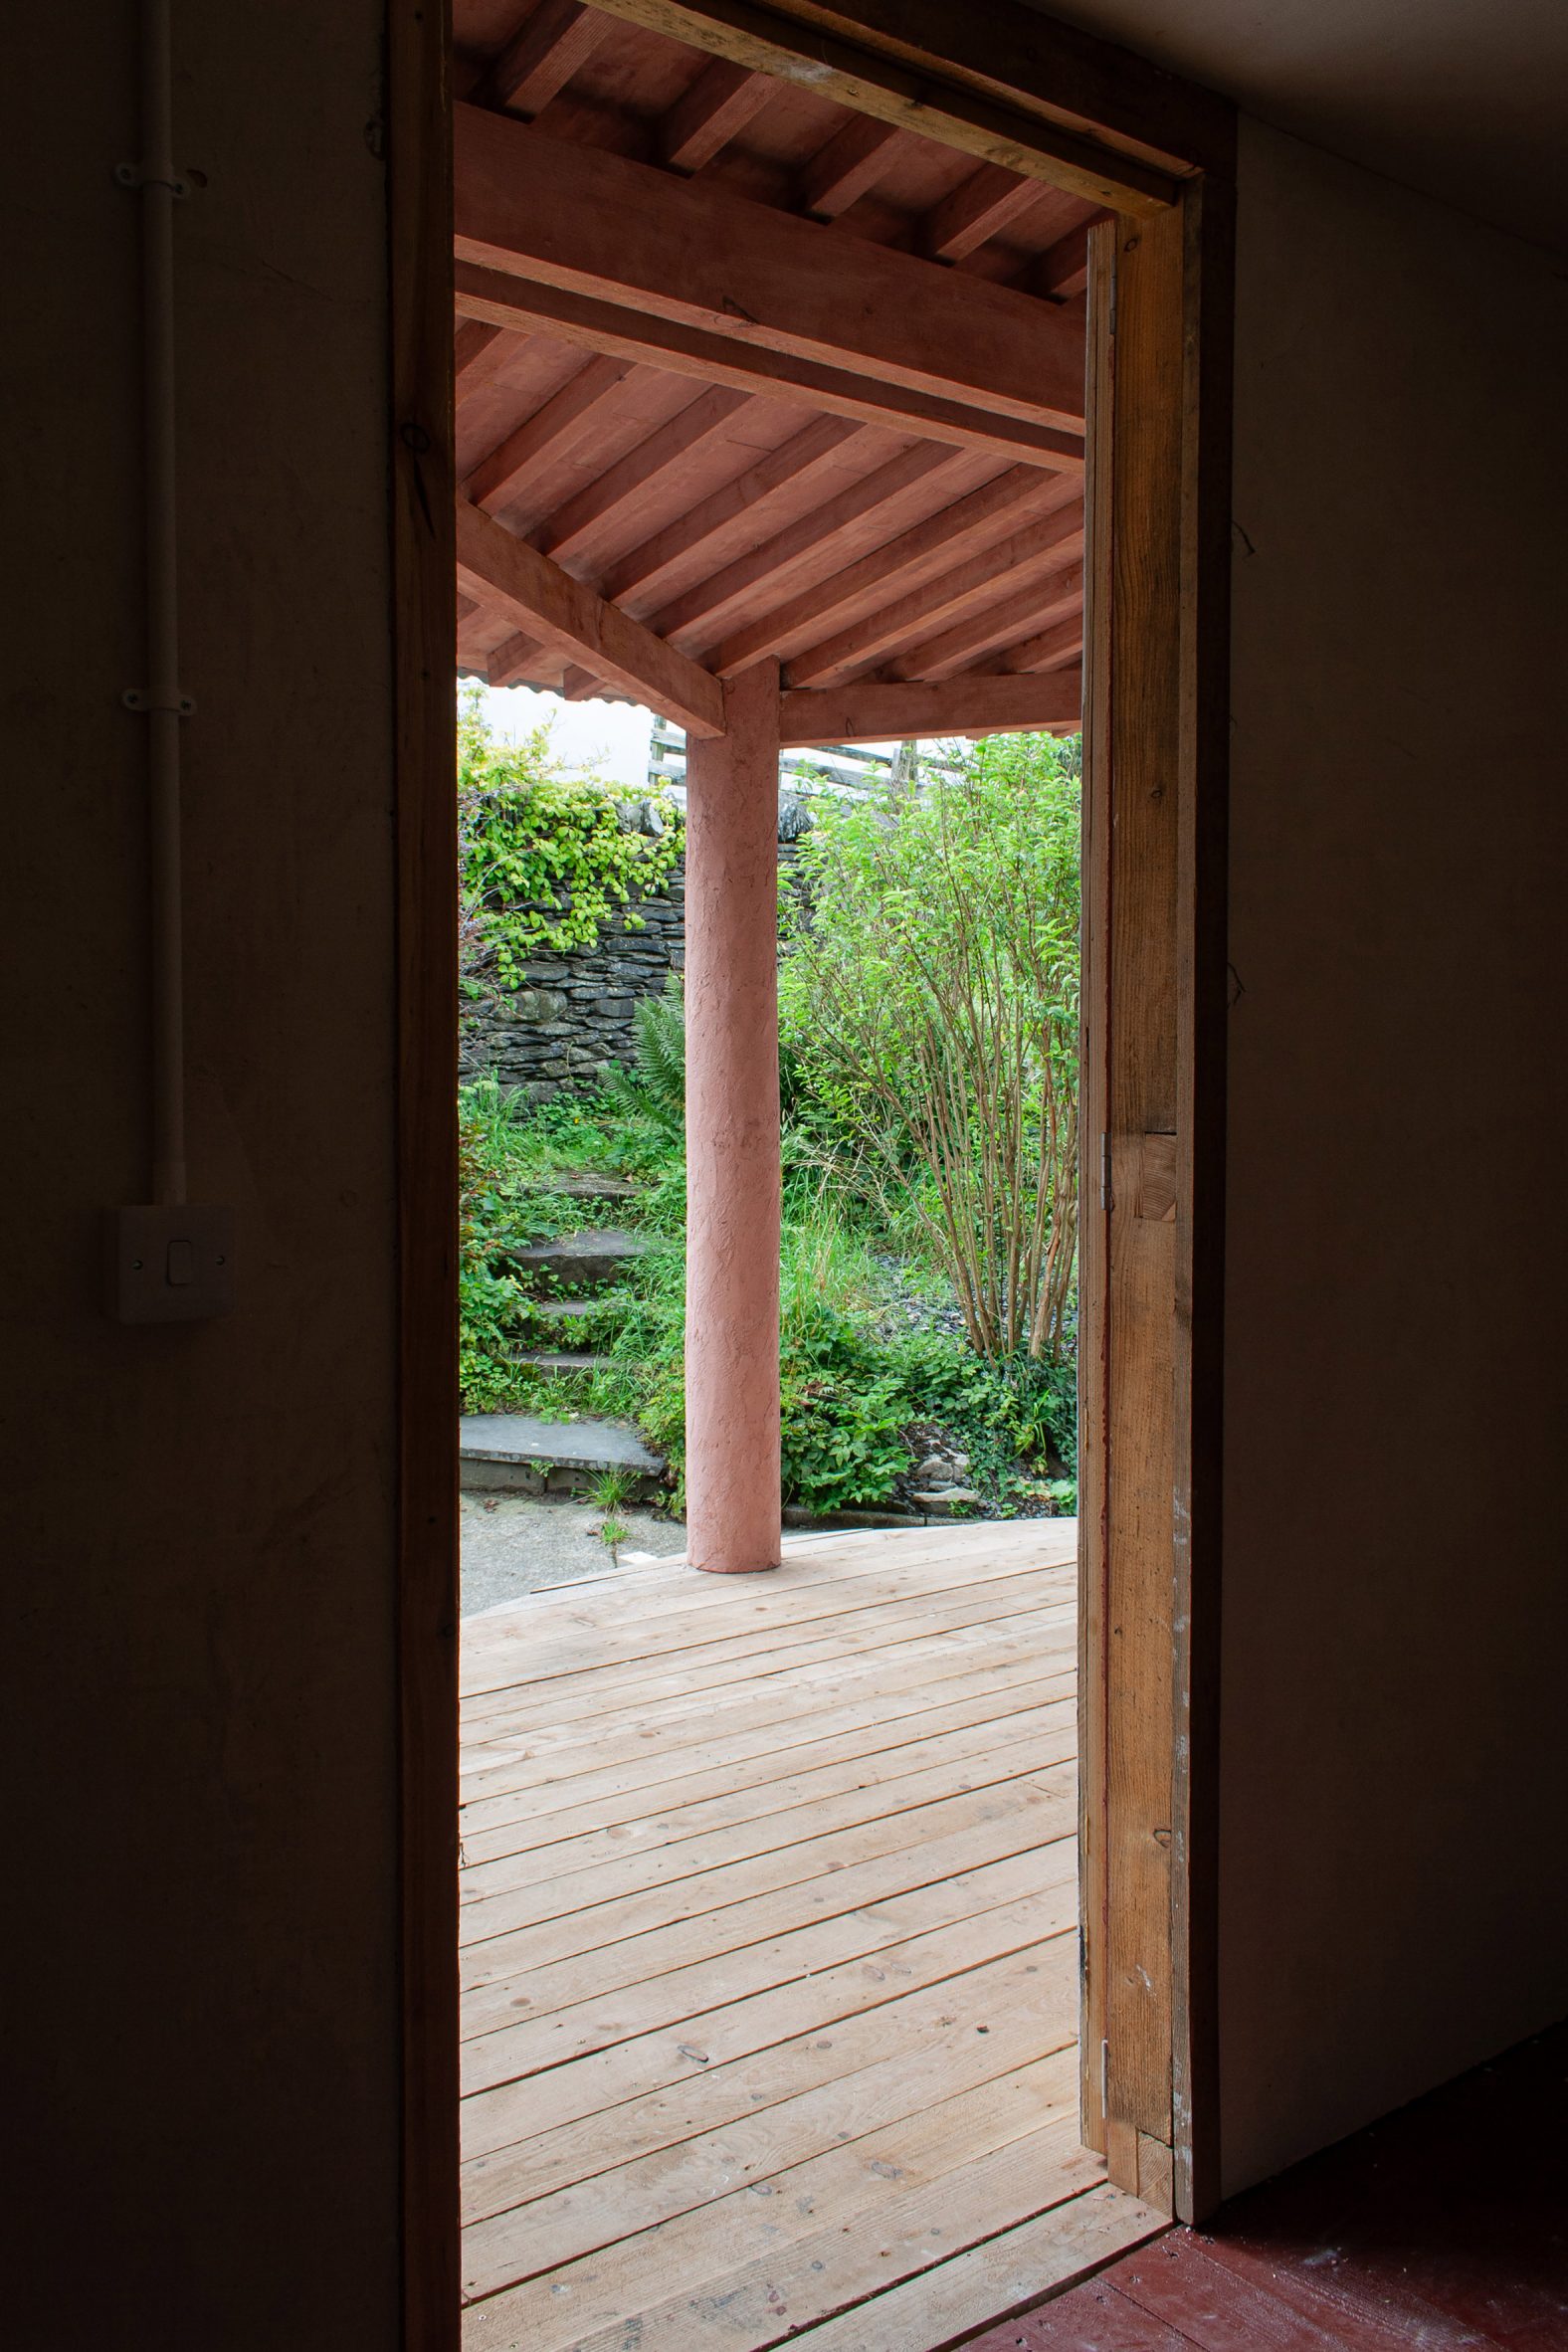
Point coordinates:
pixel 519 1543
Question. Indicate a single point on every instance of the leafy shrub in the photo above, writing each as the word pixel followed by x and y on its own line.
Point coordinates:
pixel 544 856
pixel 930 1007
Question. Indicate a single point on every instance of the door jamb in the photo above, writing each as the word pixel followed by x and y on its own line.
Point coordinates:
pixel 417 128
pixel 1156 726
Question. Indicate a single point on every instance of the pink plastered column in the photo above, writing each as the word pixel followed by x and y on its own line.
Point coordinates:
pixel 732 1133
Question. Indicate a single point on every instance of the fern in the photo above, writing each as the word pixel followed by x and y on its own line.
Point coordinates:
pixel 654 1088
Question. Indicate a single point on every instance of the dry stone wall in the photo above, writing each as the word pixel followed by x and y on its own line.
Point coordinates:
pixel 575 1010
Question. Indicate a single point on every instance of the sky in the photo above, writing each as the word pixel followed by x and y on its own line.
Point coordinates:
pixel 612 737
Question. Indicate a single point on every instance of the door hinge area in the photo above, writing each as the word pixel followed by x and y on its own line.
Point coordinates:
pixel 1106 1199
pixel 1104 2078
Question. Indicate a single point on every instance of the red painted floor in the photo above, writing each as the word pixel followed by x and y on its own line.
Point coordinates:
pixel 1443 2229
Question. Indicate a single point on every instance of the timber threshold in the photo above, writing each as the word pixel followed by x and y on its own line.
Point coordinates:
pixel 770 1962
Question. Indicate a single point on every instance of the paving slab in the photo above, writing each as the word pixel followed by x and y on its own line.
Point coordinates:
pixel 523 1453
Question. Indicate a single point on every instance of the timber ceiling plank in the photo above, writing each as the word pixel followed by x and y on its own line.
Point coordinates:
pixel 600 503
pixel 734 509
pixel 1023 612
pixel 817 538
pixel 932 543
pixel 565 419
pixel 856 157
pixel 1063 642
pixel 872 81
pixel 719 104
pixel 941 601
pixel 988 201
pixel 737 468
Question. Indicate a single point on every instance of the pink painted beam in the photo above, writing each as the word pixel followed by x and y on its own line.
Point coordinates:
pixel 732 1134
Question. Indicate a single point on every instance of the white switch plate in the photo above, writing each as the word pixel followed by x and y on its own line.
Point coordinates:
pixel 170 1266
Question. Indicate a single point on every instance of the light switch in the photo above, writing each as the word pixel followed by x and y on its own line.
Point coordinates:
pixel 169 1265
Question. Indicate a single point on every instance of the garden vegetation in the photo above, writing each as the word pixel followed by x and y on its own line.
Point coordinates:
pixel 930 1022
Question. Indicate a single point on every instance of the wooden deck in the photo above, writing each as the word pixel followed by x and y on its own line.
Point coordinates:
pixel 770 1971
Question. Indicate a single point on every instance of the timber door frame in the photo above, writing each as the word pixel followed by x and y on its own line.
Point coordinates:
pixel 993 78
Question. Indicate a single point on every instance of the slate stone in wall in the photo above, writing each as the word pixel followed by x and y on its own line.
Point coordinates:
pixel 575 1011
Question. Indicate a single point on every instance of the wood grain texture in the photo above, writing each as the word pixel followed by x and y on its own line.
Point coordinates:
pixel 1409 2237
pixel 601 225
pixel 1094 1197
pixel 1144 554
pixel 756 2061
pixel 928 100
pixel 541 59
pixel 493 564
pixel 1203 1013
pixel 1036 61
pixel 870 712
pixel 618 328
pixel 425 661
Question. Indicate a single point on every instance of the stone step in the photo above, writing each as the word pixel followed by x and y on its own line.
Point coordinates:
pixel 518 1453
pixel 581 1261
pixel 565 1360
pixel 583 1184
pixel 572 1310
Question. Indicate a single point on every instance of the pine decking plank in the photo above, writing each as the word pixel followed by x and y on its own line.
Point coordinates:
pixel 763 1656
pixel 959 1750
pixel 769 1909
pixel 493 2004
pixel 1048 1809
pixel 765 1742
pixel 531 2205
pixel 1003 2273
pixel 865 1685
pixel 536 1653
pixel 938 1558
pixel 808 2004
pixel 759 2218
pixel 631 1905
pixel 643 1591
pixel 628 1802
pixel 515 1724
pixel 534 1756
pixel 934 1562
pixel 697 1857
pixel 552 2037
pixel 775 2297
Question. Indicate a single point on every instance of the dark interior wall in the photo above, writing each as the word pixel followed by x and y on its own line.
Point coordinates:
pixel 199 1605
pixel 1396 1602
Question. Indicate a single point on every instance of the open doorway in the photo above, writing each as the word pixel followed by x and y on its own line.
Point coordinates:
pixel 847 503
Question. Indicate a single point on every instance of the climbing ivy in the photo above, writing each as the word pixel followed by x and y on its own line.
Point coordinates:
pixel 546 856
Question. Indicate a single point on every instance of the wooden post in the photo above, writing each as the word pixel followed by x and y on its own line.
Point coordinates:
pixel 732 1133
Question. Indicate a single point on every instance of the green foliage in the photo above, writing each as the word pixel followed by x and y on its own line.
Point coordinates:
pixel 855 1380
pixel 654 1088
pixel 544 856
pixel 929 1003
pixel 928 1083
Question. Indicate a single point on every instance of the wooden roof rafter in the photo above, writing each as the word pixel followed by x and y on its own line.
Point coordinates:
pixel 550 215
pixel 867 459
